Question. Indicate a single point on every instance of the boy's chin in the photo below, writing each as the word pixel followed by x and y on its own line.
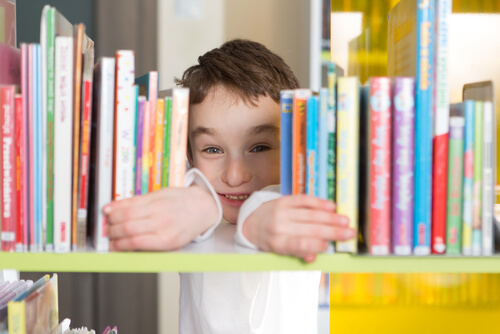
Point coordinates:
pixel 231 218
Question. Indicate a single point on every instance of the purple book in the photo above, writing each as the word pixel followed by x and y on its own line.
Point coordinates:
pixel 138 144
pixel 403 165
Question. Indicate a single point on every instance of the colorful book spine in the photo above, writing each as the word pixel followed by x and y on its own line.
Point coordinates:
pixel 299 140
pixel 323 144
pixel 152 97
pixel 379 166
pixel 468 183
pixel 178 144
pixel 22 243
pixel 348 157
pixel 478 179
pixel 286 108
pixel 38 199
pixel 333 72
pixel 138 144
pixel 145 149
pixel 20 143
pixel 403 160
pixel 31 150
pixel 312 135
pixel 488 184
pixel 424 127
pixel 63 142
pixel 166 141
pixel 455 180
pixel 8 168
pixel 158 148
pixel 123 162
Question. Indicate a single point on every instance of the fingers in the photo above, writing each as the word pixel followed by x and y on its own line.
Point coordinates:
pixel 306 215
pixel 145 242
pixel 134 208
pixel 132 227
pixel 305 201
pixel 299 246
pixel 322 232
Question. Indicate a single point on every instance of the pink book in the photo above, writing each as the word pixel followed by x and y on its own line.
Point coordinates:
pixel 8 168
pixel 20 184
pixel 23 247
pixel 10 65
pixel 153 96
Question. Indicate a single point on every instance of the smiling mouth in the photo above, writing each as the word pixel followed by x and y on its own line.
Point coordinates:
pixel 236 197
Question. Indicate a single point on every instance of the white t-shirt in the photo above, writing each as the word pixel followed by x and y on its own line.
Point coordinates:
pixel 247 302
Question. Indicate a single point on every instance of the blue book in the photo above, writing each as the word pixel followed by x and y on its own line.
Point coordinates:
pixel 37 244
pixel 286 106
pixel 323 144
pixel 312 132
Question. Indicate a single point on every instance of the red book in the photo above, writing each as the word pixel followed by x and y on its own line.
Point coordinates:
pixel 300 97
pixel 20 151
pixel 8 168
pixel 23 140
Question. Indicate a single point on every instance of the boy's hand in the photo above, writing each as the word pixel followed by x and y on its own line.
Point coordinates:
pixel 163 220
pixel 297 225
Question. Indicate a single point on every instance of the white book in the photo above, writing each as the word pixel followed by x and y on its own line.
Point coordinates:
pixel 43 44
pixel 104 94
pixel 123 182
pixel 178 136
pixel 489 169
pixel 63 143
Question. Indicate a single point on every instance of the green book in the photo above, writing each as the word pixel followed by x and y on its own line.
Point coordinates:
pixel 455 180
pixel 166 140
pixel 478 179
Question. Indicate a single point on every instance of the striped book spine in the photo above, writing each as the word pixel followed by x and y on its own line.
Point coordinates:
pixel 312 133
pixel 299 140
pixel 286 107
pixel 468 183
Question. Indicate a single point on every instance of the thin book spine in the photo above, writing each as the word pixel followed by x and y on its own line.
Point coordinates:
pixel 38 148
pixel 478 179
pixel 323 144
pixel 178 144
pixel 488 200
pixel 299 140
pixel 153 96
pixel 166 141
pixel 312 146
pixel 158 148
pixel 22 240
pixel 20 142
pixel 286 107
pixel 31 150
pixel 468 182
pixel 139 144
pixel 332 75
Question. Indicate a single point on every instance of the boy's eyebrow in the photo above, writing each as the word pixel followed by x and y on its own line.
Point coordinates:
pixel 201 130
pixel 264 128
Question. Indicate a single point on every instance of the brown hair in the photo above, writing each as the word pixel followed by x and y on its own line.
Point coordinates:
pixel 246 68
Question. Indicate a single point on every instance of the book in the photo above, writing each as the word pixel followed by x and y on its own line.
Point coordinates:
pixel 178 139
pixel 158 147
pixel 10 66
pixel 123 162
pixel 286 139
pixel 23 221
pixel 30 150
pixel 299 116
pixel 20 161
pixel 141 103
pixel 455 180
pixel 478 179
pixel 403 147
pixel 102 152
pixel 135 98
pixel 38 227
pixel 468 181
pixel 348 99
pixel 323 152
pixel 377 165
pixel 441 128
pixel 166 141
pixel 8 168
pixel 410 50
pixel 63 142
pixel 312 134
pixel 84 155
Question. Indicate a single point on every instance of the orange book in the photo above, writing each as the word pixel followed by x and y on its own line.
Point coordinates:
pixel 178 143
pixel 300 97
pixel 158 148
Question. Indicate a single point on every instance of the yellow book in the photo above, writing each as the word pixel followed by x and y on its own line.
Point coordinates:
pixel 348 98
pixel 158 148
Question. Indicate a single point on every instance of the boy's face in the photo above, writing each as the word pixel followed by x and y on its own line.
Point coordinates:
pixel 235 145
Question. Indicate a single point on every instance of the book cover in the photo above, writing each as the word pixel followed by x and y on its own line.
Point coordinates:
pixel 141 103
pixel 299 127
pixel 136 111
pixel 123 162
pixel 455 180
pixel 403 159
pixel 323 144
pixel 38 198
pixel 468 181
pixel 20 160
pixel 31 150
pixel 312 133
pixel 145 147
pixel 378 165
pixel 8 168
pixel 158 148
pixel 178 143
pixel 22 244
pixel 103 108
pixel 478 179
pixel 286 139
pixel 63 142
pixel 411 40
pixel 84 155
pixel 166 141
pixel 348 156
pixel 441 128
pixel 10 66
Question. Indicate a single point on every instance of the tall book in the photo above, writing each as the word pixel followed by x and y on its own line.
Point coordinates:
pixel 36 244
pixel 123 162
pixel 299 129
pixel 412 54
pixel 167 126
pixel 468 182
pixel 141 103
pixel 30 151
pixel 478 179
pixel 348 156
pixel 84 155
pixel 23 221
pixel 20 160
pixel 286 108
pixel 158 147
pixel 403 159
pixel 63 142
pixel 377 165
pixel 8 168
pixel 312 135
pixel 178 141
pixel 102 151
pixel 455 180
pixel 323 143
pixel 441 128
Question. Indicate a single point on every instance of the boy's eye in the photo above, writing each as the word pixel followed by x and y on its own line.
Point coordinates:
pixel 260 148
pixel 212 150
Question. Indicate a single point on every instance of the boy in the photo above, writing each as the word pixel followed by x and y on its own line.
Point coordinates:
pixel 234 145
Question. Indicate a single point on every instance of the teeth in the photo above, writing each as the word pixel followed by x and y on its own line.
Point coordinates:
pixel 241 198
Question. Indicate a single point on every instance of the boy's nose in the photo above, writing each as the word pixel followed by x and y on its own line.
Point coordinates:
pixel 235 172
